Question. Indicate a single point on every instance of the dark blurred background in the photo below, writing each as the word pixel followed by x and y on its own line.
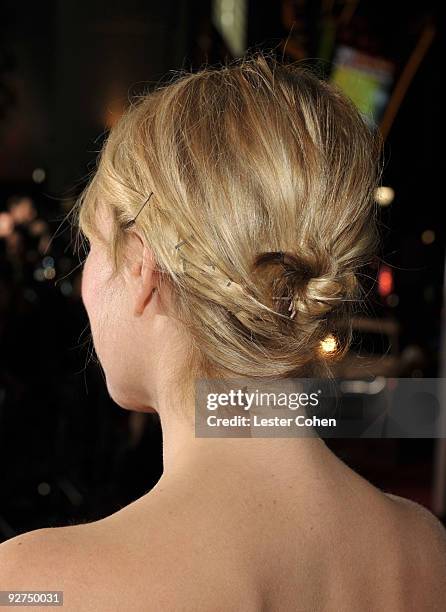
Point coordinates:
pixel 68 454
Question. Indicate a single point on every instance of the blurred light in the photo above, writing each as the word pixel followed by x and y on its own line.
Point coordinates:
pixel 365 78
pixel 6 224
pixel 392 300
pixel 43 488
pixel 413 354
pixel 385 281
pixel 38 175
pixel 66 288
pixel 38 274
pixel 361 386
pixel 384 195
pixel 23 211
pixel 48 262
pixel 428 237
pixel 230 19
pixel 227 19
pixel 329 344
pixel 38 227
pixel 49 273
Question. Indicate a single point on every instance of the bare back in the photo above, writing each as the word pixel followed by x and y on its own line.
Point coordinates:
pixel 365 552
pixel 344 546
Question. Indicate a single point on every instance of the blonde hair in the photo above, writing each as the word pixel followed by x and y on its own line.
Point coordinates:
pixel 263 177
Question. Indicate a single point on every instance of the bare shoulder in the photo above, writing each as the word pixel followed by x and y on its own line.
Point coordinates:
pixel 425 532
pixel 27 552
pixel 422 515
pixel 77 560
pixel 43 559
pixel 103 567
pixel 25 563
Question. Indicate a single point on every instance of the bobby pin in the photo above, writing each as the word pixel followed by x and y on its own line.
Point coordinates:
pixel 132 221
pixel 180 244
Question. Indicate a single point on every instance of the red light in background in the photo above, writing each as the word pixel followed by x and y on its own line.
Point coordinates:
pixel 385 281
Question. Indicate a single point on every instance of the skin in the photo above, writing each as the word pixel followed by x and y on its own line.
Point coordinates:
pixel 261 524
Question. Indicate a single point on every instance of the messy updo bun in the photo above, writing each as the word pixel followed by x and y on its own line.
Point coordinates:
pixel 262 210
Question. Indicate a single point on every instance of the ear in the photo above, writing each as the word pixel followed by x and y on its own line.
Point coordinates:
pixel 144 276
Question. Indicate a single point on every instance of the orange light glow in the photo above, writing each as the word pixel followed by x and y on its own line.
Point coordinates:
pixel 385 281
